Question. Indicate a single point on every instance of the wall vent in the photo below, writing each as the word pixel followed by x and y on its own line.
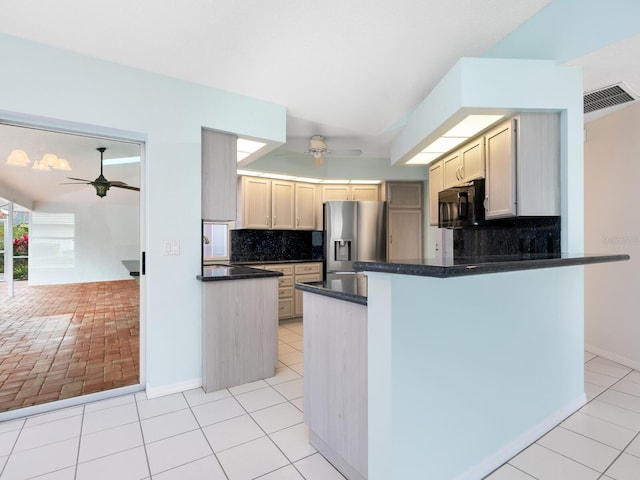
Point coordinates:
pixel 608 97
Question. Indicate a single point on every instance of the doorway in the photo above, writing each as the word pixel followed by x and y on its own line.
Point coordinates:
pixel 70 327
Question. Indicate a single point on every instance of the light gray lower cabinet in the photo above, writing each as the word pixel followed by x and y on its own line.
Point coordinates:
pixel 219 171
pixel 240 331
pixel 335 381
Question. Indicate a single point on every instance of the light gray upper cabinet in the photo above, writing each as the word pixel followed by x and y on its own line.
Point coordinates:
pixel 436 185
pixel 219 170
pixel 275 204
pixel 465 164
pixel 523 167
pixel 305 198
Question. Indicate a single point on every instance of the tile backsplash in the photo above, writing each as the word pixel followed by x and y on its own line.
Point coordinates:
pixel 275 245
pixel 524 235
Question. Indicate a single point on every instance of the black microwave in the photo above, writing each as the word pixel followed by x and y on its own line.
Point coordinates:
pixel 462 205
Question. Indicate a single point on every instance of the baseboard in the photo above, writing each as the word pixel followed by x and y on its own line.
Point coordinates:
pixel 69 402
pixel 614 357
pixel 155 392
pixel 490 463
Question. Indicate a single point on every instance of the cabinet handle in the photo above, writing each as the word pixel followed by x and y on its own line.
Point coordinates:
pixel 461 172
pixel 267 220
pixel 297 221
pixel 484 204
pixel 390 238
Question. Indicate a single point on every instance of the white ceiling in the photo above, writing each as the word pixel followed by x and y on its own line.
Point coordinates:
pixel 348 70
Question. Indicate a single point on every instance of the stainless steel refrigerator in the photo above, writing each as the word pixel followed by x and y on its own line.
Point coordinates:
pixel 354 231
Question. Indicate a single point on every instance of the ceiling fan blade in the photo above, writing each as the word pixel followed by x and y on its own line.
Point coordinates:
pixel 124 185
pixel 80 179
pixel 351 153
pixel 75 183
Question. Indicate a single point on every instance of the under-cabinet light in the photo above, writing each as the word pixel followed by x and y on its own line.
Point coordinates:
pixel 307 180
pixel 345 182
pixel 277 176
pixel 250 173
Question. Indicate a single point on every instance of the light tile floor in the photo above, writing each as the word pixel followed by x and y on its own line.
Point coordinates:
pixel 256 431
pixel 599 441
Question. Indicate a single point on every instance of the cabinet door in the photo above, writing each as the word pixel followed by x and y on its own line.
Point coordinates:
pixel 472 160
pixel 335 192
pixel 365 192
pixel 256 203
pixel 282 195
pixel 305 194
pixel 405 235
pixel 219 169
pixel 452 165
pixel 500 187
pixel 404 194
pixel 436 185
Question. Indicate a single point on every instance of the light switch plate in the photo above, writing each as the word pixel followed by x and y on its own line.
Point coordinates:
pixel 172 247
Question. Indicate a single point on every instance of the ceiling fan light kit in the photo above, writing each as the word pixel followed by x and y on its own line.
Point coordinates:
pixel 318 148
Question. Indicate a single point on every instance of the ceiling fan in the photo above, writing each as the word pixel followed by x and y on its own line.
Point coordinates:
pixel 318 148
pixel 101 184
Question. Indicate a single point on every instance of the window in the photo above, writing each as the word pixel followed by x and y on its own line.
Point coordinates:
pixel 52 240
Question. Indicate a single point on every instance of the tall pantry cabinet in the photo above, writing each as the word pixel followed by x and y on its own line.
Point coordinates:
pixel 404 220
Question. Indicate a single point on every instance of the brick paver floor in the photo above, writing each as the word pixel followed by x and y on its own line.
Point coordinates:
pixel 61 341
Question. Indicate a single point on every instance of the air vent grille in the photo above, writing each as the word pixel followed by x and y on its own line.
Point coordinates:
pixel 606 97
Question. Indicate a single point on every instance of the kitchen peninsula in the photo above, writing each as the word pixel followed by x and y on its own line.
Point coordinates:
pixel 240 325
pixel 466 362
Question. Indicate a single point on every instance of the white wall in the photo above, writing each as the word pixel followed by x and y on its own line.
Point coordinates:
pixel 612 226
pixel 104 235
pixel 102 98
pixel 456 388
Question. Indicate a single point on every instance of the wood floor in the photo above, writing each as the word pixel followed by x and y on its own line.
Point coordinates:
pixel 62 341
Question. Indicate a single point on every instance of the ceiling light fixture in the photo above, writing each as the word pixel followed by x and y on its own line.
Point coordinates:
pixel 40 165
pixel 61 164
pixel 256 173
pixel 467 128
pixel 246 147
pixel 18 158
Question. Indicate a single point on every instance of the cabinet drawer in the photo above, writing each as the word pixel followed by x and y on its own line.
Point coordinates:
pixel 285 281
pixel 307 268
pixel 285 292
pixel 312 277
pixel 284 269
pixel 285 308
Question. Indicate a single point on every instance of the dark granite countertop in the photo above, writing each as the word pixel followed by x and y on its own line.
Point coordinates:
pixel 478 265
pixel 212 273
pixel 348 287
pixel 133 266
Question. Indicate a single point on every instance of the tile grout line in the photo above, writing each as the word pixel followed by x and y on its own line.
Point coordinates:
pixel 144 443
pixel 75 470
pixel 15 442
pixel 559 425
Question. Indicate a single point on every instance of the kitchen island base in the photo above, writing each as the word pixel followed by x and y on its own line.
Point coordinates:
pixel 466 362
pixel 335 381
pixel 240 331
